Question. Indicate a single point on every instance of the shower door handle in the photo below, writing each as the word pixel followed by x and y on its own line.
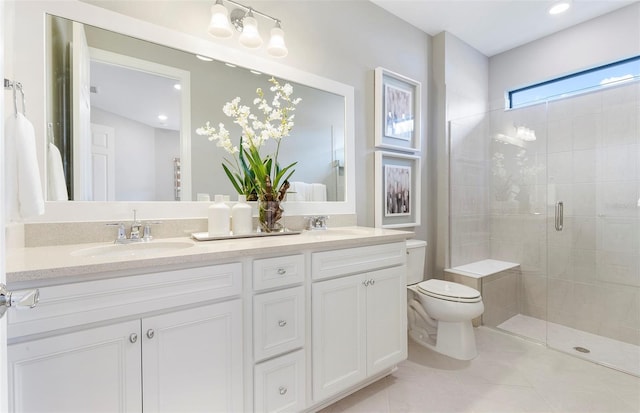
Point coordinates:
pixel 559 216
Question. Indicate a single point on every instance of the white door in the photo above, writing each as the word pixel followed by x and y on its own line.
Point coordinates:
pixel 192 360
pixel 103 140
pixel 387 323
pixel 93 370
pixel 338 335
pixel 81 104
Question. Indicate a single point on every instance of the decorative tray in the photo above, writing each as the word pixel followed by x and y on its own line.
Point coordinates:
pixel 204 236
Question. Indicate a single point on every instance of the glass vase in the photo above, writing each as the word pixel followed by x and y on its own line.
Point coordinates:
pixel 270 216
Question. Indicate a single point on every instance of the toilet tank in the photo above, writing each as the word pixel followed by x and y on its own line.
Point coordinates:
pixel 416 253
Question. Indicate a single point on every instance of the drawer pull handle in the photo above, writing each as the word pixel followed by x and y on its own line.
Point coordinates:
pixel 282 323
pixel 282 390
pixel 150 333
pixel 281 271
pixel 133 337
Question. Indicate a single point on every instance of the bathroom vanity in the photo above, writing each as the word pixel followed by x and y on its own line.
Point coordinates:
pixel 285 323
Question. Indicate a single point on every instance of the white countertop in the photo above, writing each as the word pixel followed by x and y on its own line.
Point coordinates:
pixel 60 264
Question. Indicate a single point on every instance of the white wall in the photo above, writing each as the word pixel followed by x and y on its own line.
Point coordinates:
pixel 602 40
pixel 462 92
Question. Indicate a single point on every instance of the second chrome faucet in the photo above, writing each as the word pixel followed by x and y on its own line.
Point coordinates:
pixel 134 233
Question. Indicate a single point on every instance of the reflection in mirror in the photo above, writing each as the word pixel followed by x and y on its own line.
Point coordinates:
pixel 128 153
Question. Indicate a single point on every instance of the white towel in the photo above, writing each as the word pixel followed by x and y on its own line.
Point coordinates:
pixel 299 190
pixel 57 187
pixel 318 192
pixel 24 188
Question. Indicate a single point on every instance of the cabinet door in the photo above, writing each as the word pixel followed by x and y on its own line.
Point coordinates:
pixel 192 360
pixel 94 370
pixel 338 335
pixel 386 318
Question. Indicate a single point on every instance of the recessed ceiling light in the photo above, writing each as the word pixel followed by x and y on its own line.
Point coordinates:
pixel 559 7
pixel 177 86
pixel 204 58
pixel 162 117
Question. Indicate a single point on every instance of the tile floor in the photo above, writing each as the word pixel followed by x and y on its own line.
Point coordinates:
pixel 509 375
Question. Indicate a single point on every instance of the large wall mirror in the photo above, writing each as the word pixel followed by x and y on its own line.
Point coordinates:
pixel 134 139
pixel 108 78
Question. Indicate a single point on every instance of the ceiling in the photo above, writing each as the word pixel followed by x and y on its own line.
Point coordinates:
pixel 494 26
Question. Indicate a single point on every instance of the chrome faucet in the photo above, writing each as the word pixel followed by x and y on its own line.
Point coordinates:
pixel 134 234
pixel 135 227
pixel 317 222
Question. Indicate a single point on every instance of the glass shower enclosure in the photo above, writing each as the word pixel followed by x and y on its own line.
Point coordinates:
pixel 555 187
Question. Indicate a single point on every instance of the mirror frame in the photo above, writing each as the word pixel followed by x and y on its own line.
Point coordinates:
pixel 30 61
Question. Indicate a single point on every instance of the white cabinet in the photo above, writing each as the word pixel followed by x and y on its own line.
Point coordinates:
pixel 279 384
pixel 175 359
pixel 94 370
pixel 188 360
pixel 358 321
pixel 192 360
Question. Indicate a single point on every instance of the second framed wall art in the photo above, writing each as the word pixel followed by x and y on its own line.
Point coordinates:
pixel 397 111
pixel 397 190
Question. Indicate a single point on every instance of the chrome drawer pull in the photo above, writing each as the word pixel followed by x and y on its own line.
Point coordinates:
pixel 150 333
pixel 282 323
pixel 282 390
pixel 282 271
pixel 133 337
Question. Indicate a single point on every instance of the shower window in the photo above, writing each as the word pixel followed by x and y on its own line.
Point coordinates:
pixel 573 84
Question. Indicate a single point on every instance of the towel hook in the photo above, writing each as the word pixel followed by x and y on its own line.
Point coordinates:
pixel 8 84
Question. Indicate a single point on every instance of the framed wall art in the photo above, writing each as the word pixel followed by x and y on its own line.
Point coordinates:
pixel 397 111
pixel 397 190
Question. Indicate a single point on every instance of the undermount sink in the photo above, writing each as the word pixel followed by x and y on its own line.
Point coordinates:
pixel 134 249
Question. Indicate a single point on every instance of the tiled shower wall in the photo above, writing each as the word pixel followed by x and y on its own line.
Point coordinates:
pixel 587 155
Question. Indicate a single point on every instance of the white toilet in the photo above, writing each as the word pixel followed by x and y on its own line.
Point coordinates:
pixel 440 312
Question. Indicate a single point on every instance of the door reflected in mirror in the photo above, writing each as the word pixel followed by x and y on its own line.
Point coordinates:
pixel 145 102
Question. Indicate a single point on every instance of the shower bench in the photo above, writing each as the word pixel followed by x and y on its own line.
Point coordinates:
pixel 497 281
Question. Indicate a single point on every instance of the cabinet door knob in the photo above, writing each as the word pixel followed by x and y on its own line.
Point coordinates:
pixel 282 271
pixel 282 390
pixel 366 283
pixel 150 333
pixel 282 323
pixel 372 282
pixel 133 337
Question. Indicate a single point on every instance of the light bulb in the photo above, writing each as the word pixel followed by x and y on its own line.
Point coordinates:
pixel 560 7
pixel 219 25
pixel 276 46
pixel 250 37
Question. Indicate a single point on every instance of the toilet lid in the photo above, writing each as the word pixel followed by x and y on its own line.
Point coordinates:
pixel 450 291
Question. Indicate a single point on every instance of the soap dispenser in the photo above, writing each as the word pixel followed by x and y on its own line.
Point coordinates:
pixel 219 217
pixel 241 217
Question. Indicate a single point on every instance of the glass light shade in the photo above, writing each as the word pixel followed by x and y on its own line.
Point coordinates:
pixel 276 46
pixel 250 37
pixel 219 25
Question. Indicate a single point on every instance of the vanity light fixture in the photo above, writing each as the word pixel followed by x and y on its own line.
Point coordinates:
pixel 243 19
pixel 559 7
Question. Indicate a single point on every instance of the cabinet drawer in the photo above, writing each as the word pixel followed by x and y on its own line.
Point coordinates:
pixel 279 384
pixel 278 322
pixel 80 303
pixel 327 264
pixel 278 271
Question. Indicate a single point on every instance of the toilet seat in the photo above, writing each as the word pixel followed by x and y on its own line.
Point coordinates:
pixel 449 291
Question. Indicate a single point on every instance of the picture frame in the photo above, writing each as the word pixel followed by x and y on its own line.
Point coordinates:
pixel 397 189
pixel 397 111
